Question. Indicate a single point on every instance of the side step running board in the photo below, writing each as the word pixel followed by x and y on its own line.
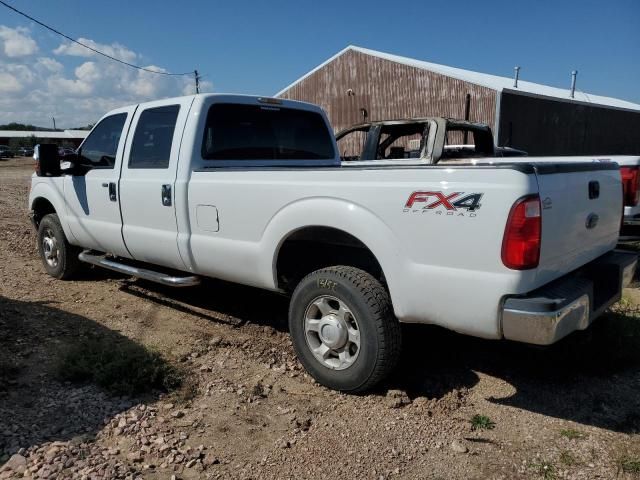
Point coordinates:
pixel 153 276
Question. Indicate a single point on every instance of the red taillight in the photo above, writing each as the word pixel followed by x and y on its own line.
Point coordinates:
pixel 521 243
pixel 630 185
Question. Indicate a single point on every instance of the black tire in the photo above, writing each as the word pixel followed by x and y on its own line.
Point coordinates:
pixel 379 331
pixel 66 259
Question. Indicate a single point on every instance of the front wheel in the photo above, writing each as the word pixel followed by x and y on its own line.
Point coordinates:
pixel 60 259
pixel 343 328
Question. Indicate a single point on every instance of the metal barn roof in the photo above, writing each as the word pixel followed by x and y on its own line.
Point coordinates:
pixel 66 134
pixel 494 82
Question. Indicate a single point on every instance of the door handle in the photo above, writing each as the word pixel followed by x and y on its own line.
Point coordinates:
pixel 112 191
pixel 166 195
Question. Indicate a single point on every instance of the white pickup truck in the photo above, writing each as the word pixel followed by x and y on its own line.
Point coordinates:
pixel 253 190
pixel 630 173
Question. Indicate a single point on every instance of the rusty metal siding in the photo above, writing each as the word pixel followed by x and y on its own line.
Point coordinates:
pixel 543 126
pixel 388 90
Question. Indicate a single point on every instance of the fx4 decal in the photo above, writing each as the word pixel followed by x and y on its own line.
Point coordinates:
pixel 454 203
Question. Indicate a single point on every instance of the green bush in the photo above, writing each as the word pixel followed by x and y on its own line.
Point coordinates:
pixel 119 366
pixel 482 422
pixel 630 465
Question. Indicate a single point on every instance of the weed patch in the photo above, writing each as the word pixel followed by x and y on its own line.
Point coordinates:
pixel 482 422
pixel 571 434
pixel 119 366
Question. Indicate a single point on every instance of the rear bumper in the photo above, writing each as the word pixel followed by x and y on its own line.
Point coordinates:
pixel 570 303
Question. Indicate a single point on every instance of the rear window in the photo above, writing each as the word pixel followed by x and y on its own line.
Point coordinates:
pixel 254 132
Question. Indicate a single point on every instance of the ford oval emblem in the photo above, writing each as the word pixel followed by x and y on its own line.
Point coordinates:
pixel 592 221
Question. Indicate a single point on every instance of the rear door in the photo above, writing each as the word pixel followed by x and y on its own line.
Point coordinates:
pixel 147 183
pixel 92 205
pixel 581 208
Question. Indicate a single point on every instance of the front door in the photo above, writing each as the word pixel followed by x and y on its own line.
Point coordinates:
pixel 92 199
pixel 147 192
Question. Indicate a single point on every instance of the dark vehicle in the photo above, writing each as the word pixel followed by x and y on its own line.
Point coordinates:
pixel 24 152
pixel 5 152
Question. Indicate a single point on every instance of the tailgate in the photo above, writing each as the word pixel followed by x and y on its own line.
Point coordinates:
pixel 581 210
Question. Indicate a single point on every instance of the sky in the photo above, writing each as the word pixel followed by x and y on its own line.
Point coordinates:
pixel 259 47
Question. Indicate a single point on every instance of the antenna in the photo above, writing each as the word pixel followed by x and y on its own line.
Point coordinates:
pixel 517 76
pixel 197 77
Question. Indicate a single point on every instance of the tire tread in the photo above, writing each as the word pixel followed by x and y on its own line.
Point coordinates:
pixel 388 328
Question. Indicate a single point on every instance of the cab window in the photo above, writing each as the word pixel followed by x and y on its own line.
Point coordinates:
pixel 151 147
pixel 100 147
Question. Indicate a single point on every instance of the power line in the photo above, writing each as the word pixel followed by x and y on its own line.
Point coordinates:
pixel 93 49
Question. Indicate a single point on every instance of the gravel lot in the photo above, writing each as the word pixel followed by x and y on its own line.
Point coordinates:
pixel 247 410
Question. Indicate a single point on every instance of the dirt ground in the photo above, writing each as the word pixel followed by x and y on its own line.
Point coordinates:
pixel 247 410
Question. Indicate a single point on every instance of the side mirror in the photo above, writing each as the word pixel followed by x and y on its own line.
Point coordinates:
pixel 47 160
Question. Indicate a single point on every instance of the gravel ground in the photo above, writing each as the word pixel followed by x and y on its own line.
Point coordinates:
pixel 247 410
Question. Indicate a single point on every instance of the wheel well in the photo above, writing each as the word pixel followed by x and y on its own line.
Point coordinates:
pixel 41 207
pixel 312 248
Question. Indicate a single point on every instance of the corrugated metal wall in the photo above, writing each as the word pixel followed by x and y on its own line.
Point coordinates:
pixel 389 90
pixel 544 126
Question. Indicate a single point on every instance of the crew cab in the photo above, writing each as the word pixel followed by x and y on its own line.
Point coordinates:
pixel 253 190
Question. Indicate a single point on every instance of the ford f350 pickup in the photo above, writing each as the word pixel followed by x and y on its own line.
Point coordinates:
pixel 253 190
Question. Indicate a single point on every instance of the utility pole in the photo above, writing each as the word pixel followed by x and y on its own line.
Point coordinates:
pixel 195 73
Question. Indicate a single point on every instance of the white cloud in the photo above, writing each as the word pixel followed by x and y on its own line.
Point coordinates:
pixel 9 83
pixel 189 87
pixel 22 72
pixel 89 72
pixel 115 50
pixel 77 87
pixel 16 42
pixel 49 64
pixel 69 87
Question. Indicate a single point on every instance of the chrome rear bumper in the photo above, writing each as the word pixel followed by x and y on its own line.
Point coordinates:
pixel 570 303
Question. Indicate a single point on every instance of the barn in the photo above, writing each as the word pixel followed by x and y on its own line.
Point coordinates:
pixel 358 85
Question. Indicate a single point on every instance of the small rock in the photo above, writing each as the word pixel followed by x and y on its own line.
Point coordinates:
pixel 397 398
pixel 284 444
pixel 191 463
pixel 178 414
pixel 51 453
pixel 458 447
pixel 168 406
pixel 135 457
pixel 210 460
pixel 16 461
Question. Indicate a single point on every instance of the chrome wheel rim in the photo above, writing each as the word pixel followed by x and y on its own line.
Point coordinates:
pixel 332 332
pixel 50 248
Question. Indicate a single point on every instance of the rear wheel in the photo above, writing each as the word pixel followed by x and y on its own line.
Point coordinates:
pixel 343 328
pixel 60 259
